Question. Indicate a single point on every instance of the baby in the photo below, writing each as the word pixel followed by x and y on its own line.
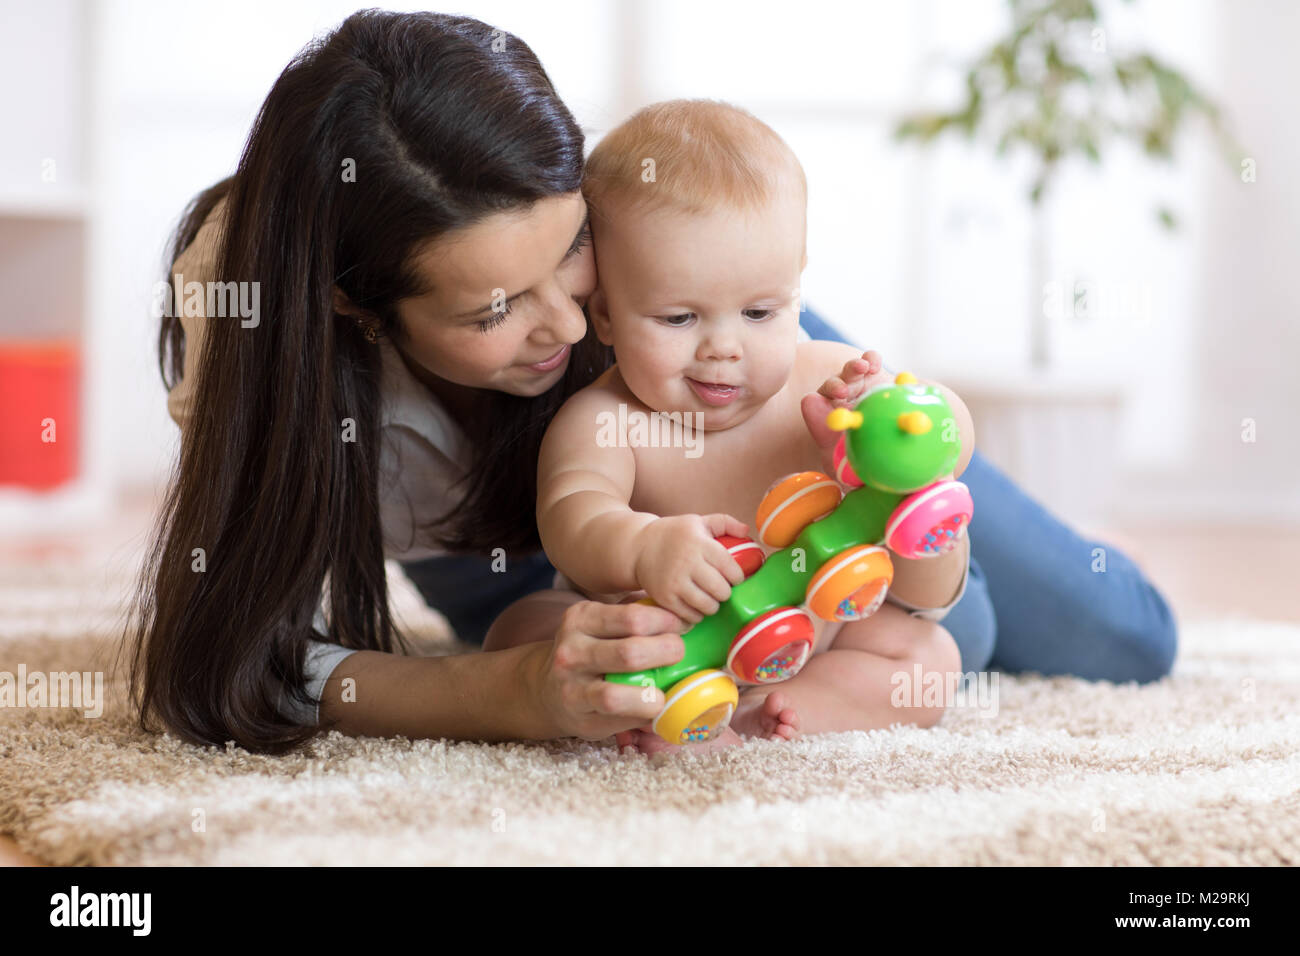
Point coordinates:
pixel 698 224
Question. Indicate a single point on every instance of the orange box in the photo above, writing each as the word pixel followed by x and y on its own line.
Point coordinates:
pixel 40 398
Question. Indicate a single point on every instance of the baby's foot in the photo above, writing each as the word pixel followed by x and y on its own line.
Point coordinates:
pixel 771 716
pixel 646 741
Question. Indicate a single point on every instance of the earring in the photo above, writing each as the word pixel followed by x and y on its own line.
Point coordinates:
pixel 371 333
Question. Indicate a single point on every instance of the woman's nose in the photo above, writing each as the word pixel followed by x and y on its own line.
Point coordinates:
pixel 565 321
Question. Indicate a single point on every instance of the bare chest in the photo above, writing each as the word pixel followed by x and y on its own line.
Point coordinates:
pixel 726 471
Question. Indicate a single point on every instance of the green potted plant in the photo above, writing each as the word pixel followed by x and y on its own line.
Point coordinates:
pixel 1051 88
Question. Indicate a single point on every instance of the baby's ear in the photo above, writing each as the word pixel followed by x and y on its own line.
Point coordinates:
pixel 598 312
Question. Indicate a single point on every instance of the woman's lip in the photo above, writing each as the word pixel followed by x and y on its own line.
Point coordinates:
pixel 547 364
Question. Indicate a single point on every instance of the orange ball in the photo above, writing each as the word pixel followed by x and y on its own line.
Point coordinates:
pixel 792 504
pixel 852 584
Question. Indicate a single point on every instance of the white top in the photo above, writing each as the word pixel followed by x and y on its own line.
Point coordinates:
pixel 422 450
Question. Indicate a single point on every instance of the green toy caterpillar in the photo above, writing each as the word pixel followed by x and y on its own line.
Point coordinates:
pixel 896 444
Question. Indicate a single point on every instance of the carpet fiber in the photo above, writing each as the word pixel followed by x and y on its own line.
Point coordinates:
pixel 1202 768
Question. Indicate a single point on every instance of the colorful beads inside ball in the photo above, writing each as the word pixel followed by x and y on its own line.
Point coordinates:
pixel 850 585
pixel 792 504
pixel 944 536
pixel 746 551
pixel 698 707
pixel 931 521
pixel 772 647
pixel 844 472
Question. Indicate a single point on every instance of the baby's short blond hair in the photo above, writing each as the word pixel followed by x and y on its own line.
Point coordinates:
pixel 692 155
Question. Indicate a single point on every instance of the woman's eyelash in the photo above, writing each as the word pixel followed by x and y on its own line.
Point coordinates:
pixel 495 319
pixel 583 238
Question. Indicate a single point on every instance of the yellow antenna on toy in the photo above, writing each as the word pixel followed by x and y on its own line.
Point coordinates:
pixel 904 378
pixel 842 419
pixel 915 423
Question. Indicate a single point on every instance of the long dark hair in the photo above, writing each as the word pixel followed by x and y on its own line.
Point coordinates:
pixel 447 121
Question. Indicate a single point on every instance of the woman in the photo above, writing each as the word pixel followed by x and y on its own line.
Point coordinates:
pixel 408 209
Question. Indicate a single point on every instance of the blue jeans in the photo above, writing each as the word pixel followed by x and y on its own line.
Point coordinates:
pixel 1032 602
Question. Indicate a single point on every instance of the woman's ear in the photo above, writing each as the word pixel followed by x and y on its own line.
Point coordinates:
pixel 343 305
pixel 366 322
pixel 598 312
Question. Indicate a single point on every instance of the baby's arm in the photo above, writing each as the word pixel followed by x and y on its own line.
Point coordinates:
pixel 583 494
pixel 591 533
pixel 965 424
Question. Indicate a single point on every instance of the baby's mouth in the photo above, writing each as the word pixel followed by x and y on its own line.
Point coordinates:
pixel 714 393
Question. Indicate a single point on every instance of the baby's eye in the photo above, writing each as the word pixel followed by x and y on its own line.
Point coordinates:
pixel 759 315
pixel 677 321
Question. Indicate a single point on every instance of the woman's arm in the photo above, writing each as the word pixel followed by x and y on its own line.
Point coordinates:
pixel 541 690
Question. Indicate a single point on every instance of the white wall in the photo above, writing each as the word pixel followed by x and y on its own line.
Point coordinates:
pixel 1247 323
pixel 176 88
pixel 923 255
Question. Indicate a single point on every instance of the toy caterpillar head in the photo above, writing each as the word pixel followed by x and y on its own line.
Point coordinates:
pixel 900 437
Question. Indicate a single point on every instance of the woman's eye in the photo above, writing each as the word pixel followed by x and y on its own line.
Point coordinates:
pixel 677 321
pixel 584 237
pixel 495 319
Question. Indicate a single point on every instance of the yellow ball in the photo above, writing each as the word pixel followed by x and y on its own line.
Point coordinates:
pixel 697 708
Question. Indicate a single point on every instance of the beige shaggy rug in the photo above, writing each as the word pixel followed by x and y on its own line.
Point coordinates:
pixel 1202 768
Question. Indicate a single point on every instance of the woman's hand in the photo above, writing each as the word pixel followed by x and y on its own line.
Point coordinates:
pixel 567 676
pixel 682 566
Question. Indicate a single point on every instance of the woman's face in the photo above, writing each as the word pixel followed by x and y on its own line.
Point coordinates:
pixel 507 299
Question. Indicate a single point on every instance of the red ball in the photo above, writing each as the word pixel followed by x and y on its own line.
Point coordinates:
pixel 746 551
pixel 772 647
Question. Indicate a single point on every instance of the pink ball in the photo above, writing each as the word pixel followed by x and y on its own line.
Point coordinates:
pixel 844 472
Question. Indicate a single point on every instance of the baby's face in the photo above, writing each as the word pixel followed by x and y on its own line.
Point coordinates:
pixel 702 309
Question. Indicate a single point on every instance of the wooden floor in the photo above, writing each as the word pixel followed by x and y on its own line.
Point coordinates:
pixel 1202 571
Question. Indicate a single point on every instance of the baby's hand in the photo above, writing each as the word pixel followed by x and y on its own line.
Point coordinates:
pixel 849 385
pixel 682 567
pixel 837 391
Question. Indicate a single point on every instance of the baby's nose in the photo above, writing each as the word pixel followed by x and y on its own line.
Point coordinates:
pixel 720 347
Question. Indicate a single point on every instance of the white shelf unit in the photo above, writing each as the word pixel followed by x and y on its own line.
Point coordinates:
pixel 46 220
pixel 1055 434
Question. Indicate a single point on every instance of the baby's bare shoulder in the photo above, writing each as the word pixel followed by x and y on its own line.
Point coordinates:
pixel 604 394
